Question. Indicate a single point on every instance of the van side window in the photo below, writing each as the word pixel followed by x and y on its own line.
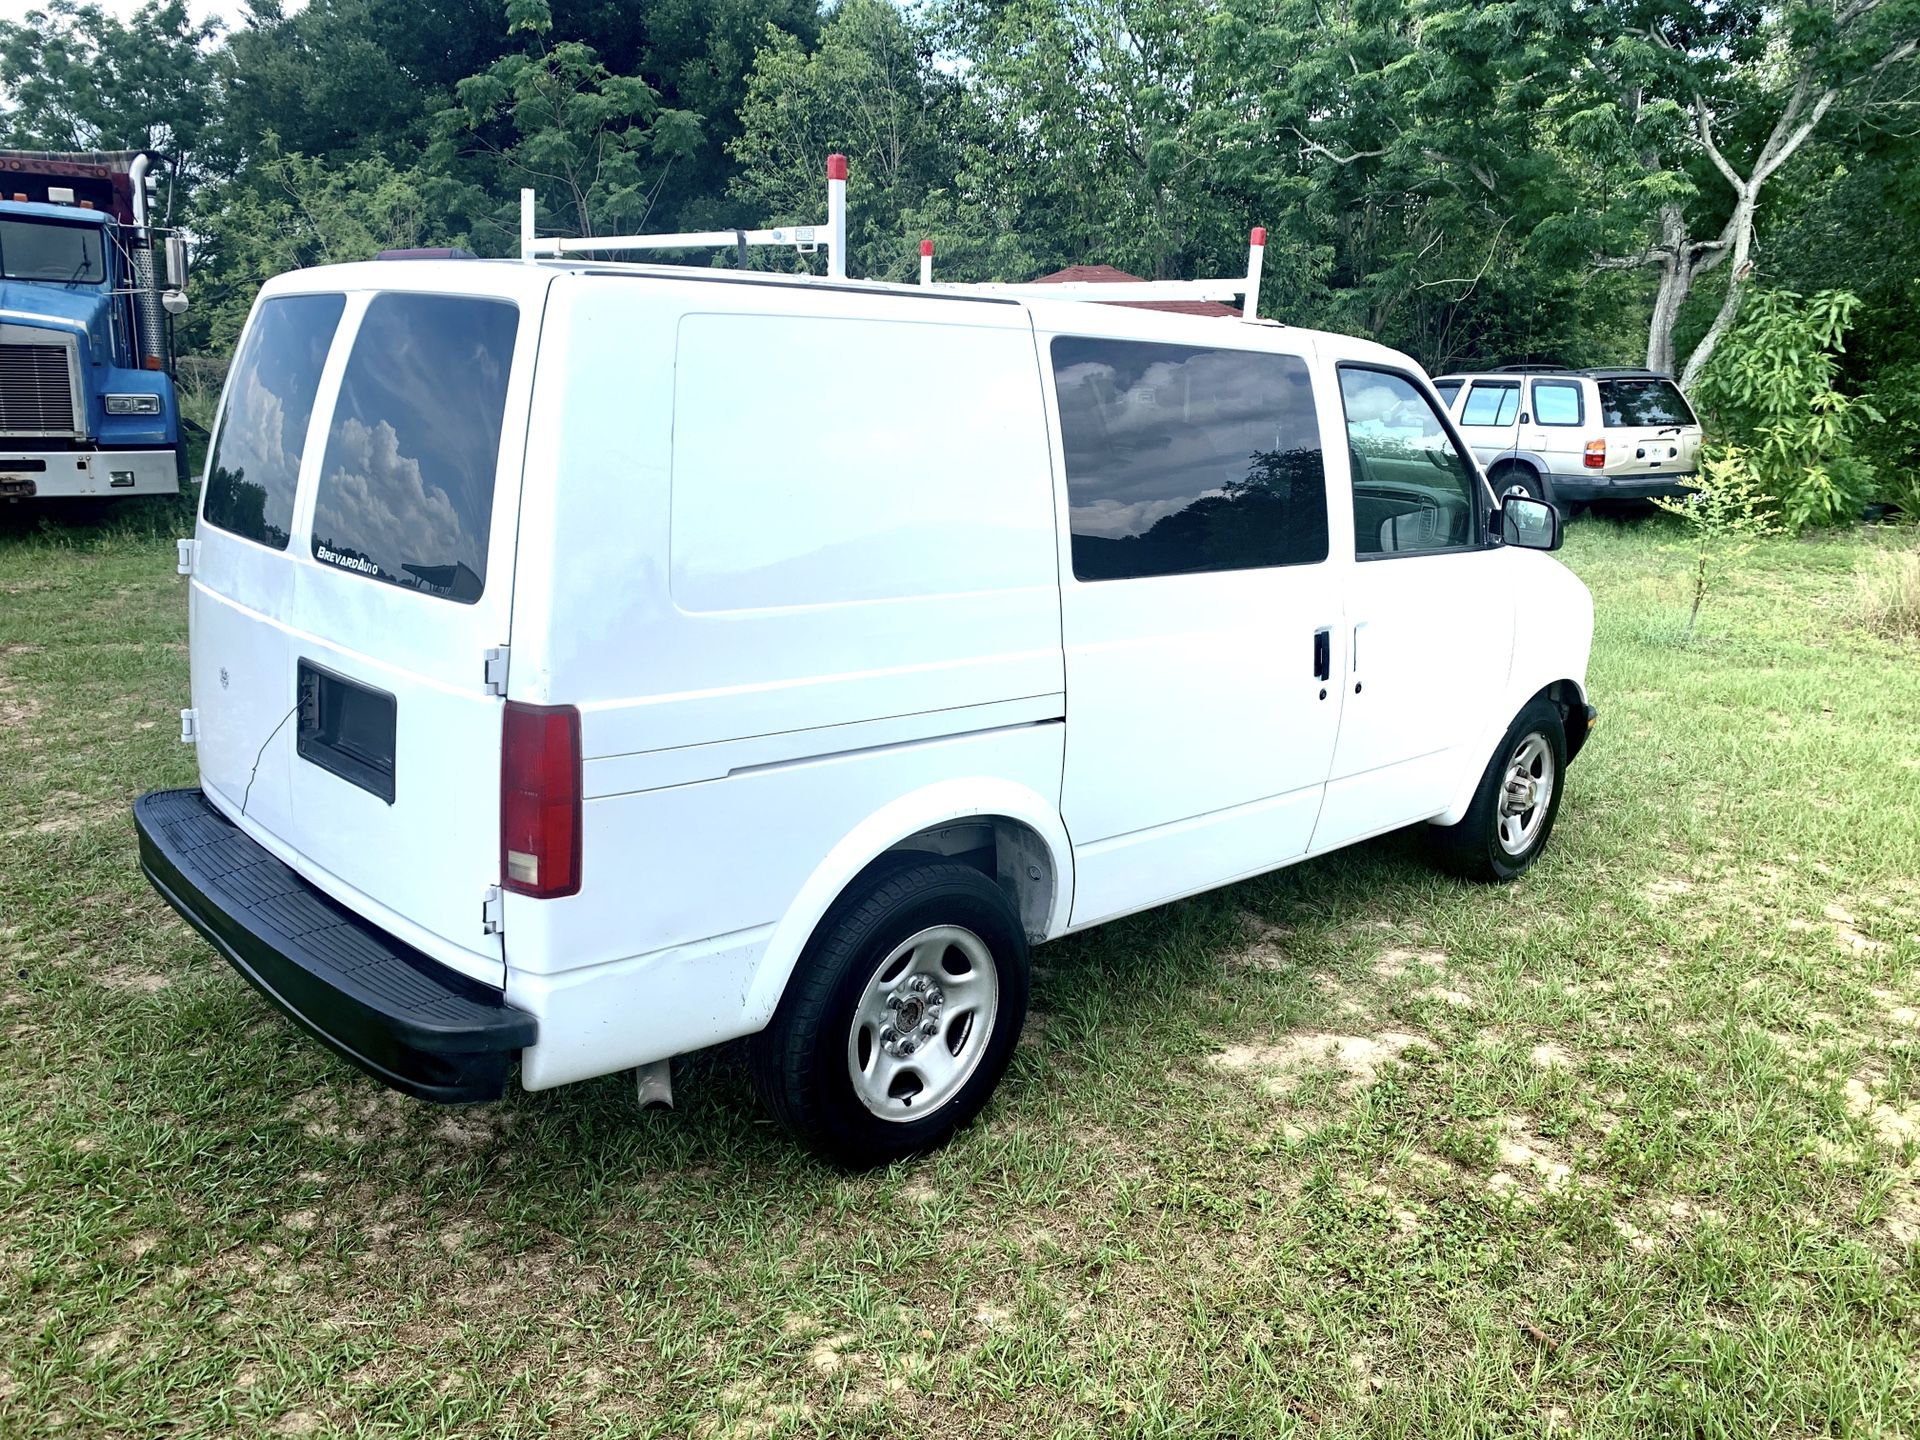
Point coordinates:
pixel 1558 402
pixel 1495 402
pixel 406 485
pixel 1181 460
pixel 1412 489
pixel 255 463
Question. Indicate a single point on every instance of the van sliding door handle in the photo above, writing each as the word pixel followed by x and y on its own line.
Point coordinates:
pixel 1323 654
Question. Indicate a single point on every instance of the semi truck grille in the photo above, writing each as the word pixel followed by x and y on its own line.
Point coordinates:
pixel 36 394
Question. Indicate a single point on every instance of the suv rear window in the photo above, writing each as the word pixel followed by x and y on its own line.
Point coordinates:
pixel 263 427
pixel 406 486
pixel 1643 402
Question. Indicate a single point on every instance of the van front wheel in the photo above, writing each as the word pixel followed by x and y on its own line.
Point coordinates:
pixel 1513 810
pixel 900 1018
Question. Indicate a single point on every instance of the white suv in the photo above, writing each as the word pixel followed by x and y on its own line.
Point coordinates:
pixel 595 663
pixel 1571 436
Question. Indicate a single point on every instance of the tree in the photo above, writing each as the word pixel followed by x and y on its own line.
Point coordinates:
pixel 1736 89
pixel 76 78
pixel 553 116
pixel 870 91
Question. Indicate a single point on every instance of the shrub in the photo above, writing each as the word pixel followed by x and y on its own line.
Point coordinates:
pixel 1727 511
pixel 1772 389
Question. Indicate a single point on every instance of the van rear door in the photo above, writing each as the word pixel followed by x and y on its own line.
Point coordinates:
pixel 240 601
pixel 403 586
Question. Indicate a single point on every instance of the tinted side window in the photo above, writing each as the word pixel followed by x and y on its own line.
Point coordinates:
pixel 255 463
pixel 1644 402
pixel 1412 489
pixel 1448 389
pixel 1495 403
pixel 406 486
pixel 1557 402
pixel 1182 459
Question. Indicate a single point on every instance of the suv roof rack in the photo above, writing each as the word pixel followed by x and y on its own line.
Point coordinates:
pixel 1533 370
pixel 1624 372
pixel 805 239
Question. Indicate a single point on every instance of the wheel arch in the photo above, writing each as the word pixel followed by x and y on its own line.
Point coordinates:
pixel 1032 860
pixel 1569 694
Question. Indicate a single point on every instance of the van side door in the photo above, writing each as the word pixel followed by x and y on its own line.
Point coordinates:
pixel 1430 611
pixel 1198 603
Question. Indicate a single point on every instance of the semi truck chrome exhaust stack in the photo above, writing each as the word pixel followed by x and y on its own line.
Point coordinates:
pixel 150 321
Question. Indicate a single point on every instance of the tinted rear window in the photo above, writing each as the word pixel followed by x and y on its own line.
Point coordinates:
pixel 1643 402
pixel 263 429
pixel 1182 460
pixel 406 487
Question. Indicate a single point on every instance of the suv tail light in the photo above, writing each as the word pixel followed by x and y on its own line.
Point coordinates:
pixel 540 800
pixel 1596 456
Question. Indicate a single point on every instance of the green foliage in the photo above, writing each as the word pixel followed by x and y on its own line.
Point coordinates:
pixel 1727 513
pixel 870 90
pixel 1773 387
pixel 1473 183
pixel 556 118
pixel 74 77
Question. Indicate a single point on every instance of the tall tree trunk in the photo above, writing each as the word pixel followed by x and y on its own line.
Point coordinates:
pixel 1741 224
pixel 1676 283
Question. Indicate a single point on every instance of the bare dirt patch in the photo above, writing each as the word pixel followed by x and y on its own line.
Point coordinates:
pixel 1392 964
pixel 131 980
pixel 1357 1058
pixel 1266 945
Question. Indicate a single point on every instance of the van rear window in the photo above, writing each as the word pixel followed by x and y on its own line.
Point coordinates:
pixel 263 427
pixel 1643 402
pixel 406 485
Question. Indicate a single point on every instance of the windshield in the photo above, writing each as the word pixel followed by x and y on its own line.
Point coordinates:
pixel 46 250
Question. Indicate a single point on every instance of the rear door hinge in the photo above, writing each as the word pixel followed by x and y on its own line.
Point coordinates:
pixel 189 551
pixel 493 912
pixel 189 727
pixel 496 670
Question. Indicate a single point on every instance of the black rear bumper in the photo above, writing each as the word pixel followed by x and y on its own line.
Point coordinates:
pixel 1580 489
pixel 404 1019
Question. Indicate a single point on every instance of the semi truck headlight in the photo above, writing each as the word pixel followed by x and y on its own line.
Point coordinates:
pixel 133 404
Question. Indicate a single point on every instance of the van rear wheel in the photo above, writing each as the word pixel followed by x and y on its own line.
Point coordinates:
pixel 901 1017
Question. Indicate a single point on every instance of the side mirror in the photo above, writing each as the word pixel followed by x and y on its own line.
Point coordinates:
pixel 177 262
pixel 1530 524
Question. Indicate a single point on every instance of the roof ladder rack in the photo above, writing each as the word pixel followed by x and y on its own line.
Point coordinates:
pixel 803 238
pixel 1242 288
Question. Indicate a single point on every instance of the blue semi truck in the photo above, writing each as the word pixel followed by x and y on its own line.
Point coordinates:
pixel 87 285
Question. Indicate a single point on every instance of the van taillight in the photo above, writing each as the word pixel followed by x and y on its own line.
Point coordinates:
pixel 540 800
pixel 1596 456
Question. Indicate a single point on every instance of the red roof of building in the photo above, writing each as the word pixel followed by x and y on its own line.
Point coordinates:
pixel 1107 275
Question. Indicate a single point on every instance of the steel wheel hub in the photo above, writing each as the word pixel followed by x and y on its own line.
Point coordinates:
pixel 1525 793
pixel 923 1022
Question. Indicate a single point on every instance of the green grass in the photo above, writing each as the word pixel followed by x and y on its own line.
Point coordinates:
pixel 1629 1148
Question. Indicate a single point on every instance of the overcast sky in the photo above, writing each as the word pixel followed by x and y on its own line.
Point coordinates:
pixel 230 11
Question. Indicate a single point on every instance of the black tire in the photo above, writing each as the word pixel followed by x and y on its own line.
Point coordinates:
pixel 1521 477
pixel 1473 848
pixel 800 1062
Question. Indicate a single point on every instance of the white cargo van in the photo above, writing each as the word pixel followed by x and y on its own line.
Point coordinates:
pixel 593 663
